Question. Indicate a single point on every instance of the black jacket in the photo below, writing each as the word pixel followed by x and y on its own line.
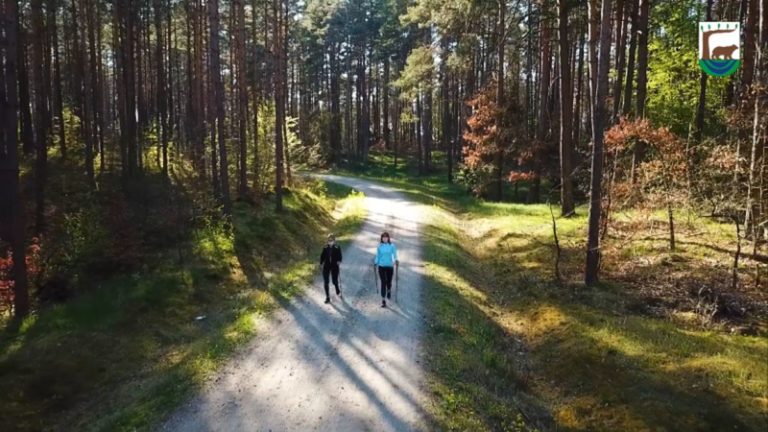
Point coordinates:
pixel 331 255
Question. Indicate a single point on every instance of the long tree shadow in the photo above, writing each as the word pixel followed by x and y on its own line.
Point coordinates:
pixel 611 379
pixel 569 362
pixel 350 346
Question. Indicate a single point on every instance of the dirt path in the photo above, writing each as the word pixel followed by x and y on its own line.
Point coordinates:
pixel 347 366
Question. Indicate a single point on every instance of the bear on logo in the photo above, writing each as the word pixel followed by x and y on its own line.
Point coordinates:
pixel 724 52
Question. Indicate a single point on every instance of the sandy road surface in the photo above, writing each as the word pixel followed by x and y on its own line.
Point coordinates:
pixel 347 366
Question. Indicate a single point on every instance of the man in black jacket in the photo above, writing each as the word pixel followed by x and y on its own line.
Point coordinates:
pixel 330 258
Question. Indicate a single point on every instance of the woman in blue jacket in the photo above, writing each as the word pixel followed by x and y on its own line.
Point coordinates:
pixel 386 261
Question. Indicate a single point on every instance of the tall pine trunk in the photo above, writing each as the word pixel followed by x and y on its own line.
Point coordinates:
pixel 242 92
pixel 627 108
pixel 642 77
pixel 621 42
pixel 598 123
pixel 218 103
pixel 160 91
pixel 58 103
pixel 40 112
pixel 386 109
pixel 566 114
pixel 500 100
pixel 11 210
pixel 542 124
pixel 335 126
pixel 279 78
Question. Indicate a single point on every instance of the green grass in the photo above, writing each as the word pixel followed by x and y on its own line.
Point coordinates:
pixel 124 353
pixel 510 349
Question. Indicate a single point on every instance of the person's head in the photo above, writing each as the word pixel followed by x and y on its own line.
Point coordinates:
pixel 385 237
pixel 331 239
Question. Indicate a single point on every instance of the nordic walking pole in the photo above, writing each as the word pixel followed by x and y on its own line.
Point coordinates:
pixel 397 280
pixel 375 279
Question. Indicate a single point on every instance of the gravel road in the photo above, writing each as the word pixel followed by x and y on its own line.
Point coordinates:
pixel 347 366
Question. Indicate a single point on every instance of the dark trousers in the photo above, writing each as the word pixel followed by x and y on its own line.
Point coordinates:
pixel 385 274
pixel 333 272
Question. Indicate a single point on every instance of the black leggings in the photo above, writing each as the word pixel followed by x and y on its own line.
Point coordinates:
pixel 385 273
pixel 331 270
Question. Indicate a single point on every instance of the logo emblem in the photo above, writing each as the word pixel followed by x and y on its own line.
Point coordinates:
pixel 719 48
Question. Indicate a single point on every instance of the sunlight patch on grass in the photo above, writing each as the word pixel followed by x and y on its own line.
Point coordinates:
pixel 451 279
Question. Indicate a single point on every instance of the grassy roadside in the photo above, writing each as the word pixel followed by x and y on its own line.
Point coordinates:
pixel 512 350
pixel 125 353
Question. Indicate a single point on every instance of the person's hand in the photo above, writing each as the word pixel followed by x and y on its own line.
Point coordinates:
pixel 397 263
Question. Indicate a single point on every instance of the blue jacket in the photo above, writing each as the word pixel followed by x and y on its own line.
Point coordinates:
pixel 386 255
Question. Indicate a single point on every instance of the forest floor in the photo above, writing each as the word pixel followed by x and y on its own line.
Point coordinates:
pixel 508 347
pixel 130 346
pixel 350 365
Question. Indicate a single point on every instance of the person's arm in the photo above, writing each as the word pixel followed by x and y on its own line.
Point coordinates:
pixel 394 255
pixel 339 248
pixel 322 256
pixel 376 257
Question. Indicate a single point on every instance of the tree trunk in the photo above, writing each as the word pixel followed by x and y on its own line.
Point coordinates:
pixel 622 9
pixel 99 91
pixel 258 90
pixel 84 84
pixel 386 109
pixel 427 128
pixel 40 113
pixel 754 206
pixel 335 126
pixel 277 53
pixel 566 115
pixel 500 100
pixel 11 210
pixel 242 92
pixel 25 108
pixel 577 119
pixel 160 90
pixel 420 133
pixel 631 60
pixel 748 54
pixel 642 78
pixel 376 111
pixel 593 236
pixel 171 121
pixel 543 120
pixel 349 128
pixel 364 120
pixel 93 81
pixel 445 136
pixel 128 126
pixel 593 11
pixel 57 104
pixel 199 103
pixel 642 56
pixel 217 94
